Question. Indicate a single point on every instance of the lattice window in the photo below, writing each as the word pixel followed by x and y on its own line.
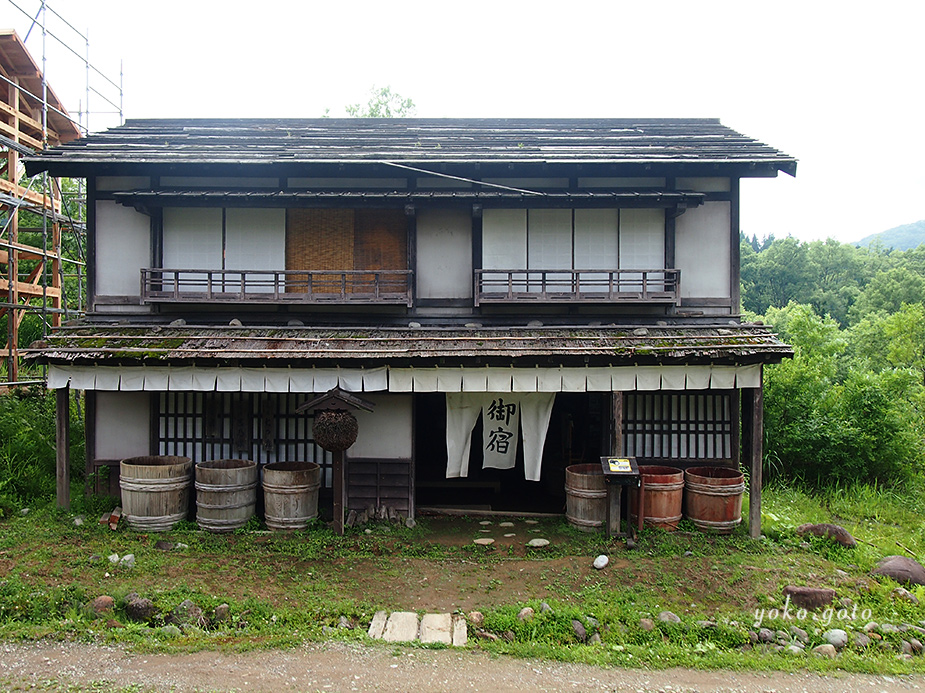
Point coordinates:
pixel 679 426
pixel 219 425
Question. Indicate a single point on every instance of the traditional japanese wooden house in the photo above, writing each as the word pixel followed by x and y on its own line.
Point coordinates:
pixel 553 290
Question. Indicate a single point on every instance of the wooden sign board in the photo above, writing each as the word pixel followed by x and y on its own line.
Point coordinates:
pixel 620 470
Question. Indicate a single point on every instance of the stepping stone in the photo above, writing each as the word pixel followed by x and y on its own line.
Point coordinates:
pixel 511 534
pixel 436 628
pixel 402 626
pixel 377 625
pixel 485 522
pixel 506 524
pixel 484 541
pixel 486 531
pixel 460 631
pixel 532 522
pixel 538 543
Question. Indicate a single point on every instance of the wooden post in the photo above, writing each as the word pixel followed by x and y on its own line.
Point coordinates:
pixel 614 496
pixel 63 446
pixel 753 415
pixel 338 460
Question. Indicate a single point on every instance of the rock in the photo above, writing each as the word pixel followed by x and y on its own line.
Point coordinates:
pixel 484 541
pixel 410 523
pixel 162 545
pixel 688 554
pixel 836 637
pixel 127 561
pixel 647 624
pixel 509 635
pixel 593 622
pixel 344 622
pixel 793 649
pixel 782 637
pixel 809 597
pixel 486 635
pixel 706 624
pixel 505 524
pixel 800 634
pixel 826 650
pixel 234 322
pixel 630 543
pixel 839 535
pixel 186 614
pixel 222 614
pixel 668 617
pixel 601 562
pixel 95 558
pixel 640 332
pixel 78 521
pixel 905 647
pixel 916 645
pixel 538 543
pixel 752 638
pixel 902 569
pixel 545 608
pixel 861 641
pixel 871 626
pixel 889 628
pixel 24 511
pixel 113 558
pixel 171 631
pixel 579 630
pixel 179 322
pixel 352 517
pixel 473 325
pixel 101 605
pixel 476 618
pixel 903 594
pixel 595 639
pixel 414 325
pixel 525 614
pixel 765 635
pixel 367 531
pixel 846 602
pixel 113 624
pixel 295 323
pixel 179 546
pixel 535 323
pixel 140 609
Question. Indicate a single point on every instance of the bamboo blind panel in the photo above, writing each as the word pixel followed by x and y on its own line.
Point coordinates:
pixel 319 239
pixel 381 240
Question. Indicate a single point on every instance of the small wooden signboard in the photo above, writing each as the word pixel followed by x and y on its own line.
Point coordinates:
pixel 619 472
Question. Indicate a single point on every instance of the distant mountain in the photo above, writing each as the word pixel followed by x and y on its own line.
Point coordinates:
pixel 901 238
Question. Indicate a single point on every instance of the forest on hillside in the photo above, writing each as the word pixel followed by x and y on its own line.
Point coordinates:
pixel 850 406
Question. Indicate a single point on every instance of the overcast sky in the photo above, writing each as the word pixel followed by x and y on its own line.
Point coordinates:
pixel 838 85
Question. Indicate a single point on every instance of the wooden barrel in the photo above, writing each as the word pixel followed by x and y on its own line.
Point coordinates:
pixel 155 491
pixel 664 491
pixel 585 496
pixel 714 498
pixel 226 494
pixel 290 494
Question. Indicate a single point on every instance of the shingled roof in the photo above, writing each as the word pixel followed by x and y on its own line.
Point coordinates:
pixel 281 146
pixel 126 345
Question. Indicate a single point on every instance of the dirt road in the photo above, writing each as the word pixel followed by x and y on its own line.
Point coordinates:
pixel 348 667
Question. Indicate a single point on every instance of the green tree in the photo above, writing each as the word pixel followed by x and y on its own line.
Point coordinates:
pixel 888 291
pixel 383 103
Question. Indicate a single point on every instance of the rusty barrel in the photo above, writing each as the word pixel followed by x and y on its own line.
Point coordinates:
pixel 585 496
pixel 226 494
pixel 664 491
pixel 155 491
pixel 290 494
pixel 714 498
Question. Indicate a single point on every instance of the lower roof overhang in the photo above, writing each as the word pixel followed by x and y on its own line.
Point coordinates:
pixel 407 359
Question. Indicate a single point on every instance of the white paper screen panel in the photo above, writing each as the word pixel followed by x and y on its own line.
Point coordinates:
pixel 596 239
pixel 642 239
pixel 255 239
pixel 703 251
pixel 504 238
pixel 192 238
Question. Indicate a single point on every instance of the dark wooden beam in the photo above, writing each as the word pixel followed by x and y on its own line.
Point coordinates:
pixel 63 446
pixel 753 423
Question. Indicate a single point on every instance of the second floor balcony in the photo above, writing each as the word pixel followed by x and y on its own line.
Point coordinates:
pixel 166 285
pixel 577 286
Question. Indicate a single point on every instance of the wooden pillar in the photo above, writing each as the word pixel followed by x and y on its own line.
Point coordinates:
pixel 63 446
pixel 338 460
pixel 753 447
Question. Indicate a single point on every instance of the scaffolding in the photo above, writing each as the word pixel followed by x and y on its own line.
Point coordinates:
pixel 42 219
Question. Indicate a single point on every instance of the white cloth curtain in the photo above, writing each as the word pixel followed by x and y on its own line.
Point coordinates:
pixel 535 410
pixel 462 411
pixel 500 419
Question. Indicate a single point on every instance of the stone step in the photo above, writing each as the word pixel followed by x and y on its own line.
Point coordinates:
pixel 403 626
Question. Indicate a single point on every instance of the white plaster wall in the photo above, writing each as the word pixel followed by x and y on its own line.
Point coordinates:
pixel 703 252
pixel 703 184
pixel 123 421
pixel 385 432
pixel 123 247
pixel 444 254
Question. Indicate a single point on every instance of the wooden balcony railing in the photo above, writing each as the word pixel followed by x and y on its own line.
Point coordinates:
pixel 160 285
pixel 577 286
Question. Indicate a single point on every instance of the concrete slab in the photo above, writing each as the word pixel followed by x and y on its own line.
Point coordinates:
pixel 460 631
pixel 377 625
pixel 402 626
pixel 436 628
